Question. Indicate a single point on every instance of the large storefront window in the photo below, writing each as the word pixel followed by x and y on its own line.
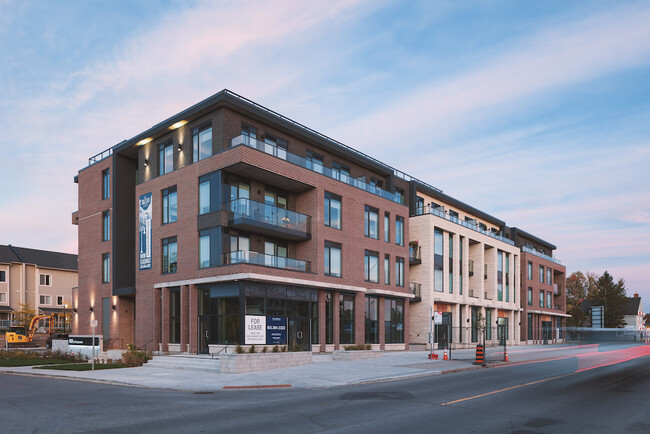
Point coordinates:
pixel 394 321
pixel 346 305
pixel 372 320
pixel 175 315
pixel 530 327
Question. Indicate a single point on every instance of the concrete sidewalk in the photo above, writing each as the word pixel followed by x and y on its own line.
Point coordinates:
pixel 323 372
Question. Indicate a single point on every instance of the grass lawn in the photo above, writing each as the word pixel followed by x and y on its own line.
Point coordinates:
pixel 81 366
pixel 31 362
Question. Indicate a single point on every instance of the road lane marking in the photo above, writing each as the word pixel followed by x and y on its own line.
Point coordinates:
pixel 506 389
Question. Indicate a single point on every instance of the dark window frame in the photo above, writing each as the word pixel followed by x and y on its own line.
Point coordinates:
pixel 196 144
pixel 163 169
pixel 106 226
pixel 166 194
pixel 106 184
pixel 327 254
pixel 368 210
pixel 168 267
pixel 367 255
pixel 327 213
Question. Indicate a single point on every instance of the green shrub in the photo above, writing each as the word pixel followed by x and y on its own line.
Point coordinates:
pixel 136 357
pixel 239 349
pixel 357 347
pixel 264 350
pixel 252 349
pixel 284 348
pixel 276 348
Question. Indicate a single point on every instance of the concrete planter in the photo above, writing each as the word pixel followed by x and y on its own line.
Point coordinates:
pixel 238 363
pixel 357 355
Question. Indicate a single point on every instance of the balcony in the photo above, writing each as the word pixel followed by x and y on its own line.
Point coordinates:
pixel 556 289
pixel 248 257
pixel 557 307
pixel 415 290
pixel 473 225
pixel 473 293
pixel 471 267
pixel 311 165
pixel 259 217
pixel 541 255
pixel 414 255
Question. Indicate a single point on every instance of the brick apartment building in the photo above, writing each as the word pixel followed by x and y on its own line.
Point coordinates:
pixel 41 280
pixel 229 213
pixel 543 289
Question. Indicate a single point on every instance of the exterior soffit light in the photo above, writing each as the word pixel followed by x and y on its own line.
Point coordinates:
pixel 144 141
pixel 177 125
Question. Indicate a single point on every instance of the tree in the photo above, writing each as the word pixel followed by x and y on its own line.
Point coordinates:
pixel 613 297
pixel 24 315
pixel 579 287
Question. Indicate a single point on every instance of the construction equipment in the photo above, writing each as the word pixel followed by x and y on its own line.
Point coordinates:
pixel 16 336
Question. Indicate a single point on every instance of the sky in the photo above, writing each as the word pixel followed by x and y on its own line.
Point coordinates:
pixel 537 113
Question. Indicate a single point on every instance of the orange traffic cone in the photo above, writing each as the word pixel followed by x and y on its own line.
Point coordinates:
pixel 506 357
pixel 445 356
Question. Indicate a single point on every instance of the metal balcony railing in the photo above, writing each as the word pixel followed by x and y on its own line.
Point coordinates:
pixel 312 165
pixel 540 254
pixel 263 213
pixel 473 225
pixel 249 257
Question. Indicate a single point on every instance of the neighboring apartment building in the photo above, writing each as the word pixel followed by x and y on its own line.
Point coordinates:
pixel 543 289
pixel 39 279
pixel 228 214
pixel 463 267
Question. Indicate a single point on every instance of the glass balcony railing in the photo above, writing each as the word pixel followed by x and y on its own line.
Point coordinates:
pixel 541 255
pixel 414 255
pixel 415 289
pixel 248 257
pixel 260 213
pixel 440 212
pixel 315 166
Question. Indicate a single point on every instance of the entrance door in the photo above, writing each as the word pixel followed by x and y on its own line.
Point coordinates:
pixel 546 331
pixel 298 337
pixel 204 334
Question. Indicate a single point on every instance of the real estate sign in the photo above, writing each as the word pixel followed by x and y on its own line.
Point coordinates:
pixel 276 330
pixel 254 329
pixel 145 231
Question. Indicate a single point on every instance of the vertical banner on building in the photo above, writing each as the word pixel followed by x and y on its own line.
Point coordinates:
pixel 145 231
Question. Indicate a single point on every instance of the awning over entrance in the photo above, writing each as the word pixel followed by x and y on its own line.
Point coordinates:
pixel 6 309
pixel 47 310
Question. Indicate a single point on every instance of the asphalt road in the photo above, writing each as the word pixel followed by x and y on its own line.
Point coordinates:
pixel 534 397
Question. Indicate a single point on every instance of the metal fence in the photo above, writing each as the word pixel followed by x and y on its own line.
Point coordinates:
pixel 461 342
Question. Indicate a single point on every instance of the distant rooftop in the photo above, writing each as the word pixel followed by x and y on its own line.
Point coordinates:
pixel 41 258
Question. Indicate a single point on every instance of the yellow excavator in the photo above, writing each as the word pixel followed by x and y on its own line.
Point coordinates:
pixel 16 336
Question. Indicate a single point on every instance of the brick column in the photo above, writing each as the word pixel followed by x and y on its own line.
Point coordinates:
pixel 336 311
pixel 382 322
pixel 185 320
pixel 322 320
pixel 157 332
pixel 407 305
pixel 165 319
pixel 359 318
pixel 193 316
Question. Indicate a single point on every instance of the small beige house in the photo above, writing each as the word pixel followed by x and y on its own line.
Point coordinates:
pixel 41 279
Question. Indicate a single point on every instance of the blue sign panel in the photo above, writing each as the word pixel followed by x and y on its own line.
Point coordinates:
pixel 276 330
pixel 145 231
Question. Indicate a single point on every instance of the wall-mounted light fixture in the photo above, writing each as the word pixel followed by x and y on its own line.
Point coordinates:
pixel 74 309
pixel 91 309
pixel 113 307
pixel 146 162
pixel 180 147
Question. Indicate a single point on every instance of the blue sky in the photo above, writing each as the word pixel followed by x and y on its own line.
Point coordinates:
pixel 535 112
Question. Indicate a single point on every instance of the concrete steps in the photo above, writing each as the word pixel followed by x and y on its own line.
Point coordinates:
pixel 187 363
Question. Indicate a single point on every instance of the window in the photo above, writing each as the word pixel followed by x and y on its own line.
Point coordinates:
pixel 332 259
pixel 175 315
pixel 372 266
pixel 346 306
pixel 169 255
pixel 548 276
pixel 202 142
pixel 399 271
pixel 106 225
pixel 106 184
pixel 372 320
pixel 530 296
pixel 419 205
pixel 239 243
pixel 169 204
pixel 499 275
pixel 394 321
pixel 204 195
pixel 488 324
pixel 377 183
pixel 460 265
pixel 529 333
pixel 3 297
pixel 400 195
pixel 399 230
pixel 541 298
pixel 371 222
pixel 453 214
pixel 59 300
pixel 314 161
pixel 340 172
pixel 387 227
pixel 508 278
pixel 248 131
pixel 451 263
pixel 387 269
pixel 549 300
pixel 482 226
pixel 165 158
pixel 45 299
pixel 204 249
pixel 530 270
pixel 437 260
pixel 3 276
pixel 275 146
pixel 332 210
pixel 45 279
pixel 541 274
pixel 106 267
